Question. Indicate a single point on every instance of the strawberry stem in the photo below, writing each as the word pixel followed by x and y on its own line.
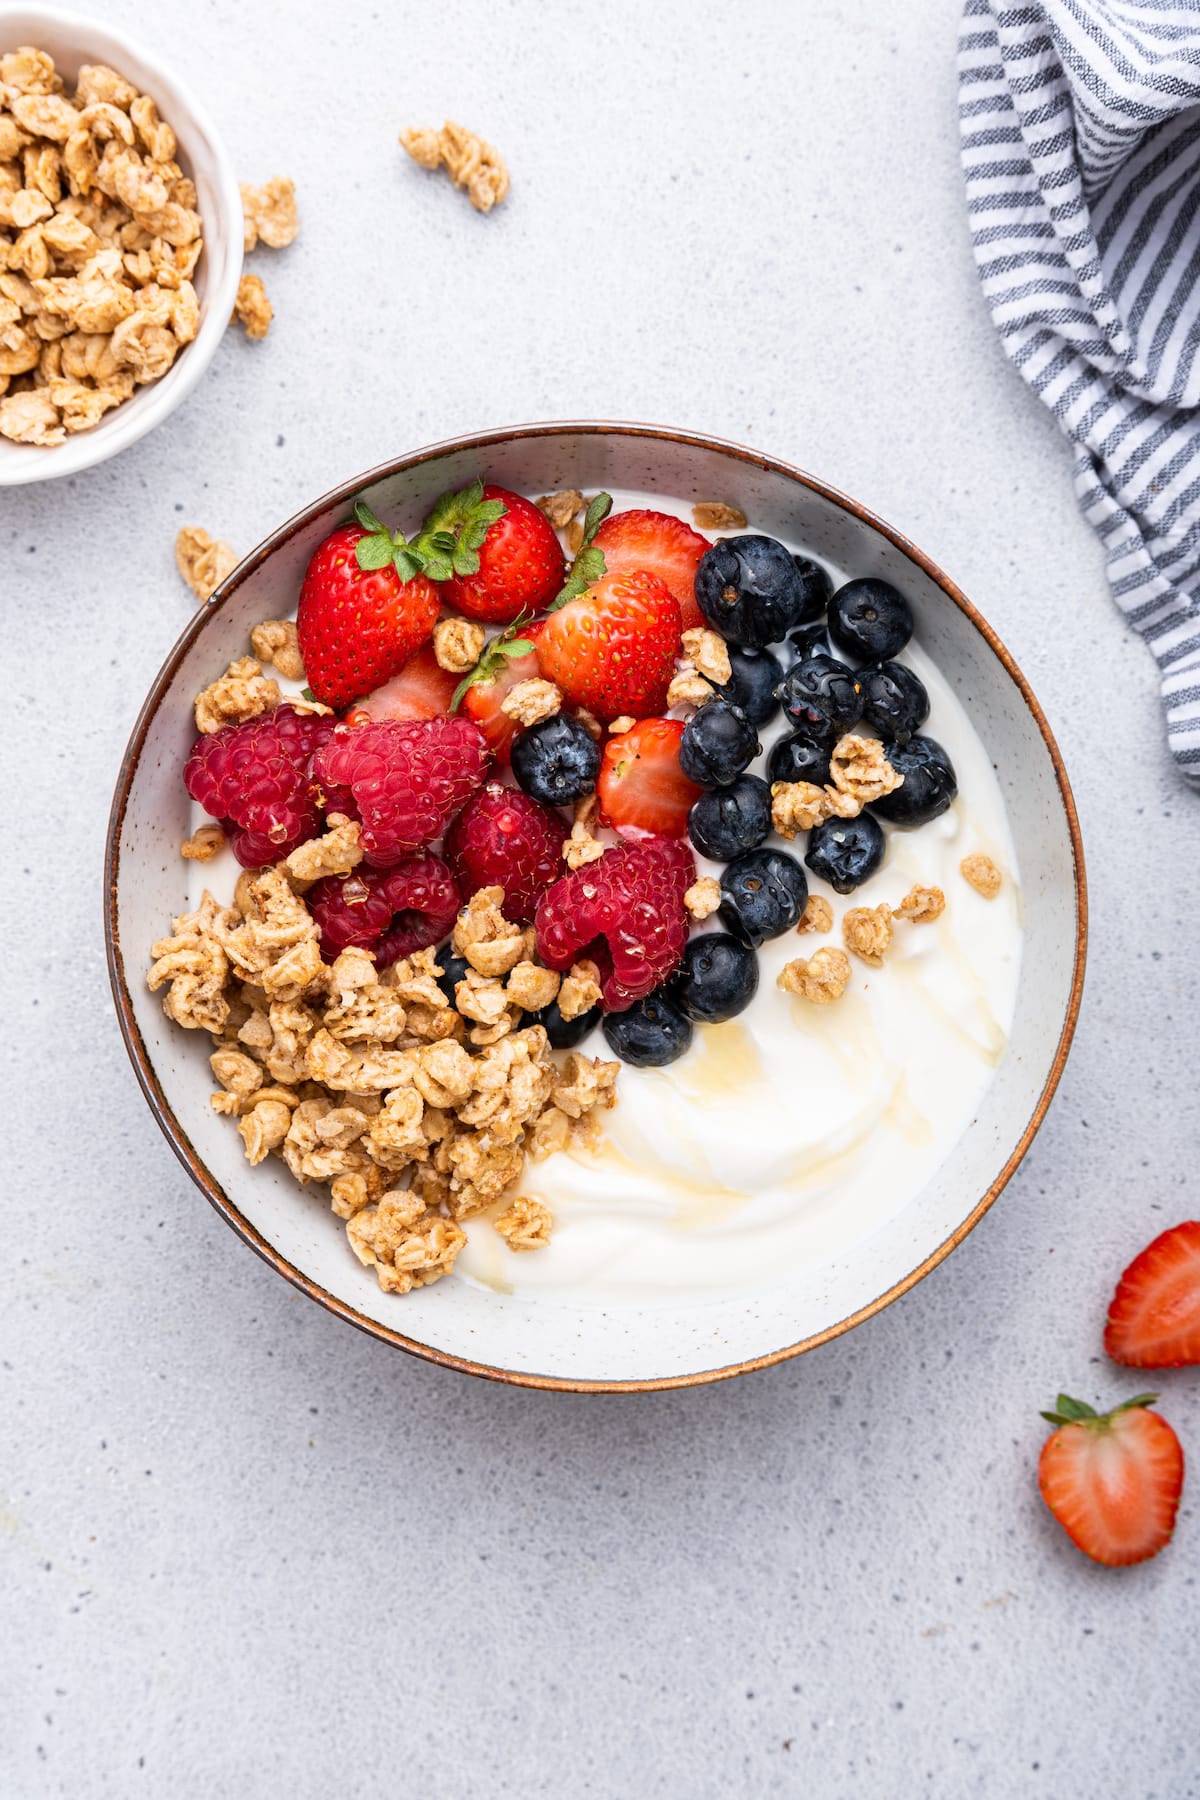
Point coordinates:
pixel 1078 1412
pixel 589 564
pixel 447 544
pixel 507 643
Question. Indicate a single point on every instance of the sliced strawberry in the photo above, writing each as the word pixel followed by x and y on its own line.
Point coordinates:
pixel 1112 1480
pixel 643 791
pixel 1154 1318
pixel 422 690
pixel 613 649
pixel 661 543
pixel 520 564
pixel 482 700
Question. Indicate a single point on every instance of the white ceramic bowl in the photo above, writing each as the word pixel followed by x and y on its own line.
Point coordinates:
pixel 72 40
pixel 553 1344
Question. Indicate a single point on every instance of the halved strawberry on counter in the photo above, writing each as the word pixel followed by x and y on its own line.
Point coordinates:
pixel 510 658
pixel 613 649
pixel 660 543
pixel 643 791
pixel 1112 1480
pixel 1154 1317
pixel 422 690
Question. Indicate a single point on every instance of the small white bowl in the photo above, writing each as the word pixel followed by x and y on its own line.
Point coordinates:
pixel 72 40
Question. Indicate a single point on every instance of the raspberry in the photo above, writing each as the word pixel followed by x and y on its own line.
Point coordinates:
pixel 255 778
pixel 405 779
pixel 503 838
pixel 626 912
pixel 390 912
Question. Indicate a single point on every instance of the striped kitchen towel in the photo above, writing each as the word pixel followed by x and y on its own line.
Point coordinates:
pixel 1081 148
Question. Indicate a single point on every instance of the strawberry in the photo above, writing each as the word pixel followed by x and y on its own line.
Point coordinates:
pixel 520 564
pixel 422 690
pixel 1154 1317
pixel 507 660
pixel 1112 1480
pixel 613 649
pixel 661 543
pixel 643 791
pixel 358 623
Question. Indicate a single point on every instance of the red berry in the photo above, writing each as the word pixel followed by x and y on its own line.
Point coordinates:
pixel 1113 1481
pixel 643 791
pixel 422 690
pixel 482 700
pixel 357 627
pixel 405 780
pixel 256 778
pixel 521 565
pixel 391 912
pixel 661 543
pixel 625 912
pixel 503 838
pixel 1154 1318
pixel 613 650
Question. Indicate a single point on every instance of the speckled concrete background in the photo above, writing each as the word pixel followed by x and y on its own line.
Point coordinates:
pixel 247 1551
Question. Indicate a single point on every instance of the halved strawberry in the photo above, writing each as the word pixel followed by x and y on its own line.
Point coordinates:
pixel 643 791
pixel 661 543
pixel 613 649
pixel 422 690
pixel 1112 1480
pixel 1154 1317
pixel 500 673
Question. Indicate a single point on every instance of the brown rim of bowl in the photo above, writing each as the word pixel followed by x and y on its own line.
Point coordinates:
pixel 177 1137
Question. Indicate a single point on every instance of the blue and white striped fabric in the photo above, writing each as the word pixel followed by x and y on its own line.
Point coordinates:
pixel 1081 149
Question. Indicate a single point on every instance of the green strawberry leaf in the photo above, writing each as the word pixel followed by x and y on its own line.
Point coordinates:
pixel 598 510
pixel 374 552
pixel 518 647
pixel 367 519
pixel 506 644
pixel 589 564
pixel 409 562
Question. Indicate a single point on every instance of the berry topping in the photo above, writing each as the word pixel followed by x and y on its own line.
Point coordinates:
pixel 809 640
pixel 453 969
pixel 643 791
pixel 1154 1317
pixel 929 785
pixel 255 778
pixel 845 852
pixel 520 563
pixel 502 838
pixel 1112 1480
pixel 726 821
pixel 650 1033
pixel 895 703
pixel 763 894
pixel 755 676
pixel 556 761
pixel 509 659
pixel 870 620
pixel 613 649
pixel 390 912
pixel 801 756
pixel 626 913
pixel 422 690
pixel 818 590
pixel 661 543
pixel 822 696
pixel 405 780
pixel 717 978
pixel 750 590
pixel 358 624
pixel 717 743
pixel 564 1034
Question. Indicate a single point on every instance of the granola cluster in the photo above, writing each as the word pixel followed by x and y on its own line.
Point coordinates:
pixel 701 670
pixel 469 161
pixel 867 932
pixel 417 1113
pixel 99 240
pixel 269 217
pixel 859 773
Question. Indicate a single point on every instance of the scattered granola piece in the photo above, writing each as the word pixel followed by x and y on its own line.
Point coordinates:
pixel 531 987
pixel 860 768
pixel 242 692
pixel 264 1129
pixel 817 914
pixel 405 1249
pixel 275 641
pixel 715 515
pixel 708 654
pixel 585 1082
pixel 526 1224
pixel 529 702
pixel 491 943
pixel 583 846
pixel 687 688
pixel 469 161
pixel 621 725
pixel 561 508
pixel 921 905
pixel 982 874
pixel 822 979
pixel 867 931
pixel 203 561
pixel 269 213
pixel 457 644
pixel 334 853
pixel 580 990
pixel 252 308
pixel 703 898
pixel 203 844
pixel 797 806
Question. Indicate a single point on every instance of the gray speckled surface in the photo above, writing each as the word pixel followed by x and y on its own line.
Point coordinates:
pixel 245 1550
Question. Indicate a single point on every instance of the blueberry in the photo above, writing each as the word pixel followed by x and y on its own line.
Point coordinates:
pixel 822 696
pixel 818 589
pixel 717 978
pixel 451 970
pixel 755 674
pixel 870 620
pixel 728 820
pixel 762 895
pixel 930 783
pixel 800 757
pixel 564 1034
pixel 895 703
pixel 649 1033
pixel 844 852
pixel 750 590
pixel 810 640
pixel 717 743
pixel 556 761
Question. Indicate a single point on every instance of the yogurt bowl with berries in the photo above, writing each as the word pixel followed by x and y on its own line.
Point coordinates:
pixel 630 917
